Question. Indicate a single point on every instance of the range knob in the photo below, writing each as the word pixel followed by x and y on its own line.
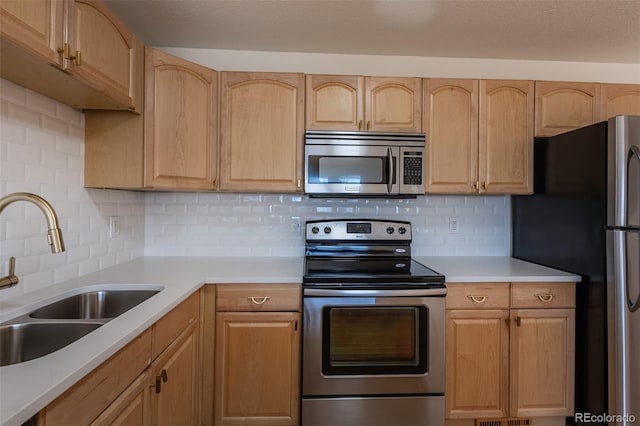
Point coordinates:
pixel 327 230
pixel 402 230
pixel 390 230
pixel 315 230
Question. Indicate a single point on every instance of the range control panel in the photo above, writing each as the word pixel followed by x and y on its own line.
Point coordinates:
pixel 347 229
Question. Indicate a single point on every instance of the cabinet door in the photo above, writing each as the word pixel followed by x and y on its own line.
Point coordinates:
pixel 175 401
pixel 619 99
pixel 542 357
pixel 261 132
pixel 104 51
pixel 562 106
pixel 451 123
pixel 131 408
pixel 334 102
pixel 83 403
pixel 393 104
pixel 36 25
pixel 257 368
pixel 477 354
pixel 506 137
pixel 180 117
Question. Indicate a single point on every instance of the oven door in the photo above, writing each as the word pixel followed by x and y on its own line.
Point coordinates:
pixel 362 342
pixel 351 169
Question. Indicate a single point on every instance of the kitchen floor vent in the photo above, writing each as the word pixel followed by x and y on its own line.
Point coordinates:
pixel 504 422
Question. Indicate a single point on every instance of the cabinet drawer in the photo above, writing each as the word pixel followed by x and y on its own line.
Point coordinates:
pixel 258 297
pixel 477 296
pixel 543 295
pixel 169 327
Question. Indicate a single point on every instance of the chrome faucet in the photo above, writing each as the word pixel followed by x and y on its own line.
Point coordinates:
pixel 54 234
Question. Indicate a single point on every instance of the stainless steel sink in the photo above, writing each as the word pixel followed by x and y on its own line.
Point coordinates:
pixel 60 323
pixel 26 341
pixel 101 304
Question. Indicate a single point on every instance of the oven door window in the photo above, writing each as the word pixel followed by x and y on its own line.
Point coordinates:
pixel 374 340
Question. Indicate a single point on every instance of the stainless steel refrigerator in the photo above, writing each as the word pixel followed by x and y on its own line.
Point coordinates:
pixel 584 217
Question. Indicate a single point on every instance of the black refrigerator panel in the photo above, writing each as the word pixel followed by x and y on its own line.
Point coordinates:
pixel 562 225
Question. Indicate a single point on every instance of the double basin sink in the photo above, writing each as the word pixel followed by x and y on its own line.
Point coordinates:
pixel 52 327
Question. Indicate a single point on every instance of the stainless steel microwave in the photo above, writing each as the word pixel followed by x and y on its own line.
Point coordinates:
pixel 360 164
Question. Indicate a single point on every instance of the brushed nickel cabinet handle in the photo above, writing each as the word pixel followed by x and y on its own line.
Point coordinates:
pixel 258 300
pixel 477 299
pixel 544 297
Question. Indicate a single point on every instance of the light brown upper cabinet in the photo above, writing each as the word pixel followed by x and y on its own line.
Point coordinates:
pixel 479 136
pixel 562 106
pixel 356 103
pixel 172 145
pixel 35 25
pixel 619 99
pixel 261 132
pixel 451 125
pixel 506 137
pixel 92 52
pixel 180 116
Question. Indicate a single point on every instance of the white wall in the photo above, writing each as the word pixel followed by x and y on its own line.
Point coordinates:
pixel 42 151
pixel 409 66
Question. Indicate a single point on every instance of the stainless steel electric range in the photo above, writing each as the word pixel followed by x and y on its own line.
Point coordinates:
pixel 373 333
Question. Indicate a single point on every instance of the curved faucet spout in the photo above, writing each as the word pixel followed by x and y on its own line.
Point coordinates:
pixel 54 235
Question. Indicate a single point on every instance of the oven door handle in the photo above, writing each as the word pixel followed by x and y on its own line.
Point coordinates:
pixel 389 293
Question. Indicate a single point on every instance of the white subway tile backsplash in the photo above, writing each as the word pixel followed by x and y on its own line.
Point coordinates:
pixel 260 225
pixel 42 151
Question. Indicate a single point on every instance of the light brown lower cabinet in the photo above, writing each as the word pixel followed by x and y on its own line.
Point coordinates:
pixel 257 355
pixel 135 388
pixel 510 350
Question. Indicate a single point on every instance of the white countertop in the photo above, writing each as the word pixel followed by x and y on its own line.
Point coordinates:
pixel 27 387
pixel 493 269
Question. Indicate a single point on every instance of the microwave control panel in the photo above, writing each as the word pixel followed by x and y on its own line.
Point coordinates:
pixel 412 168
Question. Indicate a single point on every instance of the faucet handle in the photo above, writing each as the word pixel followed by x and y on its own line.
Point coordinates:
pixel 12 266
pixel 11 279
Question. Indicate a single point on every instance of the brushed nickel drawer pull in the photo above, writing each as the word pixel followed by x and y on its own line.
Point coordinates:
pixel 544 297
pixel 258 300
pixel 477 299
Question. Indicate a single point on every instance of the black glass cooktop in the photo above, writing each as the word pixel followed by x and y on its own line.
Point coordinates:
pixel 369 272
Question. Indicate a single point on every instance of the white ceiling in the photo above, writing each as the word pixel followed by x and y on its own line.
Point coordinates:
pixel 554 30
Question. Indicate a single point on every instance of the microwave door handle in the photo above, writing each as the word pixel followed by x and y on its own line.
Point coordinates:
pixel 390 170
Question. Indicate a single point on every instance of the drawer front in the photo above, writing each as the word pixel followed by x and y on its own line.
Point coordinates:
pixel 258 297
pixel 169 327
pixel 477 296
pixel 543 295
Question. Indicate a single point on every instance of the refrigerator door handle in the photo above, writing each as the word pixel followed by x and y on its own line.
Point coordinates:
pixel 634 152
pixel 624 275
